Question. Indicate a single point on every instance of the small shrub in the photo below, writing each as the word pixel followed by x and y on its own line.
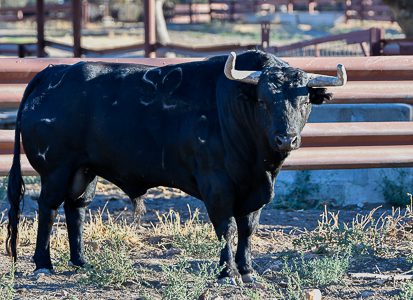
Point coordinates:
pixel 7 291
pixel 395 192
pixel 195 238
pixel 314 272
pixel 3 189
pixel 301 195
pixel 108 266
pixel 294 288
pixel 252 294
pixel 323 271
pixel 406 292
pixel 185 284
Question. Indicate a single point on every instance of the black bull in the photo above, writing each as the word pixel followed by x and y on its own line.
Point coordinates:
pixel 185 126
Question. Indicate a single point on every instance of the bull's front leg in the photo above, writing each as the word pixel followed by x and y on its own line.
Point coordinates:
pixel 246 226
pixel 219 201
pixel 225 230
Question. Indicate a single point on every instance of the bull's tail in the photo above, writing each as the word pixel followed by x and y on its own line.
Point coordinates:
pixel 15 187
pixel 15 192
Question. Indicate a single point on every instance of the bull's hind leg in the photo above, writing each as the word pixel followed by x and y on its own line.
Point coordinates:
pixel 52 194
pixel 75 209
pixel 246 226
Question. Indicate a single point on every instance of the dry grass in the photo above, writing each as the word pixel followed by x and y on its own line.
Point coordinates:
pixel 193 237
pixel 371 233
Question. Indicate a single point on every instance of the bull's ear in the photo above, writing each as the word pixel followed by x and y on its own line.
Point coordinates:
pixel 319 95
pixel 172 80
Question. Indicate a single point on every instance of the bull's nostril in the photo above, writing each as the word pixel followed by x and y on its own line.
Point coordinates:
pixel 279 141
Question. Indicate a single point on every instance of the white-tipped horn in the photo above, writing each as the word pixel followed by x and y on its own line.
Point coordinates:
pixel 317 80
pixel 251 77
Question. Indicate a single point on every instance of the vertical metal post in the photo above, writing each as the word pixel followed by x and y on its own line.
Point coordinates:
pixel 348 8
pixel 150 30
pixel 210 10
pixel 376 38
pixel 311 6
pixel 191 13
pixel 40 28
pixel 21 50
pixel 77 27
pixel 265 34
pixel 290 6
pixel 232 11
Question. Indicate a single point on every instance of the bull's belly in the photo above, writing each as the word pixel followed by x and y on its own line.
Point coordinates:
pixel 136 176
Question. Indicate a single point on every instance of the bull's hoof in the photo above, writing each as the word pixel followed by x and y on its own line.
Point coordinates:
pixel 75 265
pixel 229 281
pixel 248 278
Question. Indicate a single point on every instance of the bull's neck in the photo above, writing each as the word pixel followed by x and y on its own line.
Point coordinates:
pixel 244 141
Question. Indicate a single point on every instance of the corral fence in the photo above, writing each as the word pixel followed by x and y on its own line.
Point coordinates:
pixel 233 11
pixel 325 145
pixel 368 42
pixel 357 43
pixel 368 10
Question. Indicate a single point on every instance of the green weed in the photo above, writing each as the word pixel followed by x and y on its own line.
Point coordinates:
pixel 294 287
pixel 406 292
pixel 7 291
pixel 110 265
pixel 395 192
pixel 183 283
pixel 302 273
pixel 301 195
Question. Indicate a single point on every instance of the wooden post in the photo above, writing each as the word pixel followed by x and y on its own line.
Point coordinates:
pixel 40 28
pixel 150 30
pixel 77 27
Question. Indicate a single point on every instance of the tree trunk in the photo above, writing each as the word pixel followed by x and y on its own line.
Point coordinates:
pixel 162 35
pixel 403 11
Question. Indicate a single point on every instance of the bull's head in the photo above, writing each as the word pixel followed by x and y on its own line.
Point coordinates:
pixel 285 96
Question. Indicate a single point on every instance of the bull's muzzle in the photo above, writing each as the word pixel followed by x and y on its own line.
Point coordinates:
pixel 286 143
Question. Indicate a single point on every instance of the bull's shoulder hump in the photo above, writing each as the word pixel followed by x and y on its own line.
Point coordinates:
pixel 92 70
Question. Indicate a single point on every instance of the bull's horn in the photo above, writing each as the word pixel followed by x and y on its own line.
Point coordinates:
pixel 317 80
pixel 251 77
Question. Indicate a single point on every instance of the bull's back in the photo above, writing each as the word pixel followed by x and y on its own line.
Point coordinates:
pixel 106 117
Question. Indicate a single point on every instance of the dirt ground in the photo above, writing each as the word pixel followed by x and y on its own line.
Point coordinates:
pixel 272 243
